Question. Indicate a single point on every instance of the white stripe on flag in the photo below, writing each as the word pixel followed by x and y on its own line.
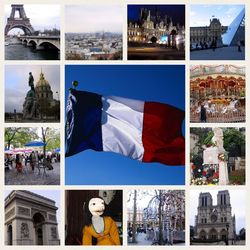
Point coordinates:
pixel 122 123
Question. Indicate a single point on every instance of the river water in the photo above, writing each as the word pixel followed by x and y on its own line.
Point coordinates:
pixel 21 52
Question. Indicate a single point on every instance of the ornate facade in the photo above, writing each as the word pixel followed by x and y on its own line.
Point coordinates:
pixel 30 219
pixel 153 27
pixel 208 34
pixel 43 91
pixel 215 222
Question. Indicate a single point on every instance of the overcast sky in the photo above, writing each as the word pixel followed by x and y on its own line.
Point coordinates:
pixel 142 199
pixel 93 18
pixel 42 16
pixel 201 14
pixel 238 204
pixel 16 83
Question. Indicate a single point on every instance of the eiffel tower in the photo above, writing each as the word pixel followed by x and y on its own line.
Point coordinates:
pixel 21 22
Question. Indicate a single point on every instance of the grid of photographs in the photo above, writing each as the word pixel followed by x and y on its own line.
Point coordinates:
pixel 124 124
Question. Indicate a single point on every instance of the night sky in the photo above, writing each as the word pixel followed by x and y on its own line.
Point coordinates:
pixel 177 12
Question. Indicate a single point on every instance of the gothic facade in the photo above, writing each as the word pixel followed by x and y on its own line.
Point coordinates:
pixel 215 222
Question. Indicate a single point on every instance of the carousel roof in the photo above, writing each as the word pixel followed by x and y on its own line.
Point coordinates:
pixel 204 70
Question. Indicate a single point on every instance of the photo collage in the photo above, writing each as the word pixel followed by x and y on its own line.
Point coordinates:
pixel 125 124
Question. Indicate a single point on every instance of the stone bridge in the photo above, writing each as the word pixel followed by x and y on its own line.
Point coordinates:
pixel 41 42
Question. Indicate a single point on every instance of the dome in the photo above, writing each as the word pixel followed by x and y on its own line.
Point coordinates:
pixel 42 81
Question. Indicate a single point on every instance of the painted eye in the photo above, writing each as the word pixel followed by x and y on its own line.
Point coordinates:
pixel 93 204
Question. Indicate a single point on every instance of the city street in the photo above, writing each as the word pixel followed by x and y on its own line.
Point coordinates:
pixel 155 53
pixel 224 53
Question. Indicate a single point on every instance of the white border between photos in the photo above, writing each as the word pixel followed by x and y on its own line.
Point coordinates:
pixel 60 125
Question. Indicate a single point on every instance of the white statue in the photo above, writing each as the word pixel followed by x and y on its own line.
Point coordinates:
pixel 217 139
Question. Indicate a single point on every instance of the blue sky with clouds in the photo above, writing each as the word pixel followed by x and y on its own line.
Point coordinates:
pixel 200 14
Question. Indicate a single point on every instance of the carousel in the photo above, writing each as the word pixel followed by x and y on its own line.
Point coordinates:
pixel 220 90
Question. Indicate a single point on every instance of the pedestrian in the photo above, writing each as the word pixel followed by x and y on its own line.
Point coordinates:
pixel 214 45
pixel 19 163
pixel 32 160
pixel 203 115
pixel 239 44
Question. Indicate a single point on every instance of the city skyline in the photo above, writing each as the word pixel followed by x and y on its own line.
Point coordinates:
pixel 16 83
pixel 42 16
pixel 93 18
pixel 238 207
pixel 200 15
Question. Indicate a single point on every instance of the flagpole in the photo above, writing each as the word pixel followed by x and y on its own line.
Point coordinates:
pixel 74 84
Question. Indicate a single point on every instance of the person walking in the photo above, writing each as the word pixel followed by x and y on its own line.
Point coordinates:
pixel 203 114
pixel 239 46
pixel 32 160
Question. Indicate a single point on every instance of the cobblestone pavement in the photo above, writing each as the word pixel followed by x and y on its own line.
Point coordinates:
pixel 36 177
pixel 225 53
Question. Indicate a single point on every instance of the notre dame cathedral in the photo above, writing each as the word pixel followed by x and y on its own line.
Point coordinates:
pixel 215 222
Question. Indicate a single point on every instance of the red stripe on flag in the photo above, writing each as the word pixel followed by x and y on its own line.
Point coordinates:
pixel 161 135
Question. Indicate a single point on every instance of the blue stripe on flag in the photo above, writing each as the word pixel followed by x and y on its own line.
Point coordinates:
pixel 83 122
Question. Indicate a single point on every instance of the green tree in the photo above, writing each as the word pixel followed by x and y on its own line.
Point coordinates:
pixel 51 139
pixel 18 136
pixel 234 142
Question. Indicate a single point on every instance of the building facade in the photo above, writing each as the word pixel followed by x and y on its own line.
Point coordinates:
pixel 215 222
pixel 154 28
pixel 44 92
pixel 30 219
pixel 208 34
pixel 140 222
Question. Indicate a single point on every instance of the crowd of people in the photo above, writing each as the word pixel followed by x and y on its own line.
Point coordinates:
pixel 18 161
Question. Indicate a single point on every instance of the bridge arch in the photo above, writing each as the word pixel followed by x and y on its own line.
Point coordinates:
pixel 32 43
pixel 49 45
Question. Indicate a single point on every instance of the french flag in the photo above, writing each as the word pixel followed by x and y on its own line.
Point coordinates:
pixel 145 131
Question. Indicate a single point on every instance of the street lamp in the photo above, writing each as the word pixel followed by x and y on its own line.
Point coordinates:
pixel 227 226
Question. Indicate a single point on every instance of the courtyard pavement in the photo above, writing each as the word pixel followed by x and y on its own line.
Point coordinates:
pixel 224 53
pixel 142 240
pixel 29 177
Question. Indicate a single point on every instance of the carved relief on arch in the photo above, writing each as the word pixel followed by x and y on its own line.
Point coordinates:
pixel 24 231
pixel 23 211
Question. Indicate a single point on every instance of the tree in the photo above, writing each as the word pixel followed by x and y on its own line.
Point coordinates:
pixel 18 136
pixel 9 135
pixel 134 219
pixel 170 207
pixel 234 142
pixel 50 137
